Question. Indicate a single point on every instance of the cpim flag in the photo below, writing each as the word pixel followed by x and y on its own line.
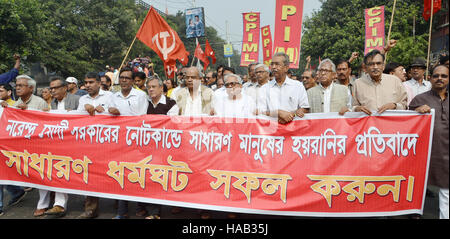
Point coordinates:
pixel 200 54
pixel 210 52
pixel 161 38
pixel 427 8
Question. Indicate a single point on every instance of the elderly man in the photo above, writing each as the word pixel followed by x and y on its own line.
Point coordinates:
pixel 376 91
pixel 251 76
pixel 309 79
pixel 62 99
pixel 418 84
pixel 195 99
pixel 283 97
pixel 236 104
pixel 262 75
pixel 25 87
pixel 438 99
pixel 159 103
pixel 328 96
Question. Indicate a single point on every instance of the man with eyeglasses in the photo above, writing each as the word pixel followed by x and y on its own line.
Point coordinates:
pixel 62 99
pixel 437 99
pixel 25 87
pixel 283 97
pixel 308 79
pixel 128 101
pixel 236 104
pixel 376 91
pixel 328 96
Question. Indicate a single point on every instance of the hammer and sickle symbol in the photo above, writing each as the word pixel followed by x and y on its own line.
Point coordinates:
pixel 164 50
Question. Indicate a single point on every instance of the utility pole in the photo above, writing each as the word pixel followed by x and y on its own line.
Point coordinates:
pixel 228 41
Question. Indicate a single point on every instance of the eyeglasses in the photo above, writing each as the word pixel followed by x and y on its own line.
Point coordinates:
pixel 324 71
pixel 259 72
pixel 55 87
pixel 125 78
pixel 380 63
pixel 231 84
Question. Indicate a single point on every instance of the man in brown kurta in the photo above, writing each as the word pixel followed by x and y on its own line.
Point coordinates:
pixel 376 91
pixel 437 99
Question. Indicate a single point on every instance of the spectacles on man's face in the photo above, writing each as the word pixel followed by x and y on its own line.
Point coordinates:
pixel 231 84
pixel 324 71
pixel 260 72
pixel 373 63
pixel 125 78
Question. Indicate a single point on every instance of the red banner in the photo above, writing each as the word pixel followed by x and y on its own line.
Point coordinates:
pixel 374 29
pixel 266 37
pixel 321 165
pixel 288 29
pixel 250 41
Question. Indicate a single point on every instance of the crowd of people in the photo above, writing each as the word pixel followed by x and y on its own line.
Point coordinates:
pixel 267 90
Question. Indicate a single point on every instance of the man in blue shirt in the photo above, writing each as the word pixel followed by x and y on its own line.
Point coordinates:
pixel 6 77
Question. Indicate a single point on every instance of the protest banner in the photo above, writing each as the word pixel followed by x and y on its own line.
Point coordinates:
pixel 266 38
pixel 374 18
pixel 320 165
pixel 288 29
pixel 250 38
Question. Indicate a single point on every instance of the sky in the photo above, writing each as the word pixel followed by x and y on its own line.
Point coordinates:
pixel 218 12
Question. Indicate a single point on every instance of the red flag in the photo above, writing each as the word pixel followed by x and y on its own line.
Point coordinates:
pixel 201 56
pixel 161 38
pixel 210 52
pixel 427 8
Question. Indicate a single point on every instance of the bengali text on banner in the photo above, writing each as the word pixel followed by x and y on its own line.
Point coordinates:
pixel 321 165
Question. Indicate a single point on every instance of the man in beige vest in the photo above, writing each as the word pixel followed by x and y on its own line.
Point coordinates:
pixel 195 99
pixel 327 96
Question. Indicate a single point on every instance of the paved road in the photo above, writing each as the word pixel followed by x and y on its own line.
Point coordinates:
pixel 25 209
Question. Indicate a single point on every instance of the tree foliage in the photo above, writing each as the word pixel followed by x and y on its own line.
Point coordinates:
pixel 72 37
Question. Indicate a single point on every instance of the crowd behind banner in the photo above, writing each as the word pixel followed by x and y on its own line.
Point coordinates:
pixel 273 91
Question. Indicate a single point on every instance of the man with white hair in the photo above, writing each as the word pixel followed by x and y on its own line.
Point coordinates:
pixel 328 96
pixel 262 76
pixel 25 87
pixel 236 104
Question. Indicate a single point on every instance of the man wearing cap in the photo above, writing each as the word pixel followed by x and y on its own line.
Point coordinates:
pixel 418 84
pixel 72 87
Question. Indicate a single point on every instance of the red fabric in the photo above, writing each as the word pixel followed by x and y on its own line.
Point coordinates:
pixel 161 38
pixel 427 8
pixel 200 54
pixel 321 165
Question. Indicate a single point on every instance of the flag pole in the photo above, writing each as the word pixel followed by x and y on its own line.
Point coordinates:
pixel 128 51
pixel 390 27
pixel 429 39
